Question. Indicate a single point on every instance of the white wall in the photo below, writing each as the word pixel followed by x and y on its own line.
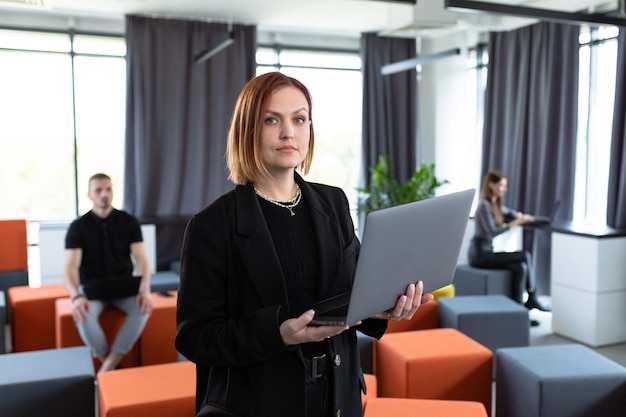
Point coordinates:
pixel 446 127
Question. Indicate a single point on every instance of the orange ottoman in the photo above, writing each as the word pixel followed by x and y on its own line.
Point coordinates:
pixel 166 390
pixel 14 248
pixel 13 256
pixel 372 389
pixel 31 314
pixel 426 317
pixel 442 364
pixel 385 407
pixel 111 319
pixel 157 339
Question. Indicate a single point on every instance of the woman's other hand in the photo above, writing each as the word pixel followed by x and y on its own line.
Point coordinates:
pixel 298 330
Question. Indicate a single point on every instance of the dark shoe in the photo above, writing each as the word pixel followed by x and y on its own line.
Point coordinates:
pixel 534 323
pixel 533 303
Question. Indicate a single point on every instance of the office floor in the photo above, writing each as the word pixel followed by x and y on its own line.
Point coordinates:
pixel 543 335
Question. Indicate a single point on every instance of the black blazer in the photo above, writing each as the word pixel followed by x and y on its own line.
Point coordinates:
pixel 232 299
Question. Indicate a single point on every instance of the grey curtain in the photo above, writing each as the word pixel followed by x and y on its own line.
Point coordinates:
pixel 531 107
pixel 177 118
pixel 389 105
pixel 616 202
pixel 530 124
pixel 389 108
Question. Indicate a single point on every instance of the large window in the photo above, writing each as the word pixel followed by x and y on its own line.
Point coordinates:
pixel 598 54
pixel 62 117
pixel 100 84
pixel 61 120
pixel 36 161
pixel 334 79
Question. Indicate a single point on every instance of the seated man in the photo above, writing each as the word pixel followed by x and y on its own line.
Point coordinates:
pixel 98 248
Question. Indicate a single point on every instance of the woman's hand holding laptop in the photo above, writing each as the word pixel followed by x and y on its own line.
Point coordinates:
pixel 407 304
pixel 299 330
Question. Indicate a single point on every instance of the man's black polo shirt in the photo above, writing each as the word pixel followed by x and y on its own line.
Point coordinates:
pixel 105 244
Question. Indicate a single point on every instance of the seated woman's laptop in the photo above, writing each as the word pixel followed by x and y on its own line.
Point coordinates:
pixel 401 245
pixel 546 220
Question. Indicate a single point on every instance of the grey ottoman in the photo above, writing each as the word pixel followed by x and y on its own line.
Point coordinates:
pixel 52 382
pixel 568 380
pixel 164 281
pixel 366 344
pixel 3 320
pixel 10 279
pixel 494 321
pixel 469 280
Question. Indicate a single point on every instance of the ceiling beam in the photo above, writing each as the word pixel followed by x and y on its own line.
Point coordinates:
pixel 534 12
pixel 408 64
pixel 215 47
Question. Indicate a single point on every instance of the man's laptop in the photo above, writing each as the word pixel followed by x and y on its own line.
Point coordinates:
pixel 401 245
pixel 547 220
pixel 111 287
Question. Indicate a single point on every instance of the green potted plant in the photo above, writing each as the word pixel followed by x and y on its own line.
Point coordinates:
pixel 386 191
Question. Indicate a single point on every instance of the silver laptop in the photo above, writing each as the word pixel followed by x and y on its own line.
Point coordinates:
pixel 546 220
pixel 401 245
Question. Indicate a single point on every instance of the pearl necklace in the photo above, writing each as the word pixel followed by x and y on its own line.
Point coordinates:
pixel 290 206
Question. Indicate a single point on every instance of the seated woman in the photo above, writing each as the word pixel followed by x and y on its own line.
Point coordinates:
pixel 491 219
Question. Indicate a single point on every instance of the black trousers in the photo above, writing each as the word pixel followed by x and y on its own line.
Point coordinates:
pixel 481 255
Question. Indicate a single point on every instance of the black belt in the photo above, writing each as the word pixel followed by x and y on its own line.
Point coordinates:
pixel 317 366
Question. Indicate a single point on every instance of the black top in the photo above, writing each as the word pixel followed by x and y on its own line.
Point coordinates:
pixel 296 247
pixel 294 240
pixel 105 244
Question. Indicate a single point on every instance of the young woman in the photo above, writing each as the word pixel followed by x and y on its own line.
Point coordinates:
pixel 256 258
pixel 491 219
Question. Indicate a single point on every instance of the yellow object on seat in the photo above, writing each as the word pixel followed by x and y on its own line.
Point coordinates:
pixel 447 291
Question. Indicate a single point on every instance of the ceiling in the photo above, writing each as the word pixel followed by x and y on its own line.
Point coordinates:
pixel 337 17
